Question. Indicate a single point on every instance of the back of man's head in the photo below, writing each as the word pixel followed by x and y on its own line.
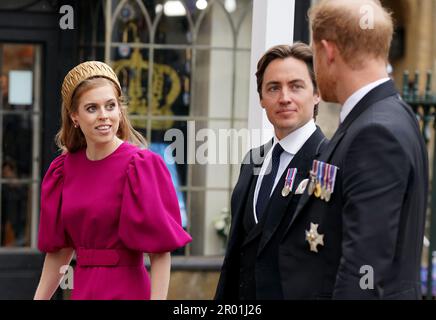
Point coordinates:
pixel 361 29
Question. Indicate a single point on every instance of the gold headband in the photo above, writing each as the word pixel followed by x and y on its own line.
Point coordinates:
pixel 83 72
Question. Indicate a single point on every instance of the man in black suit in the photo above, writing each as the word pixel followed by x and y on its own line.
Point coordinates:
pixel 272 177
pixel 359 235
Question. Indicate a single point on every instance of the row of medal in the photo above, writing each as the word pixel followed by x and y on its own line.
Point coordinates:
pixel 322 180
pixel 322 184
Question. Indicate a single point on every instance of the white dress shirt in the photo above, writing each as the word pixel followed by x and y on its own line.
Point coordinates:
pixel 291 144
pixel 354 99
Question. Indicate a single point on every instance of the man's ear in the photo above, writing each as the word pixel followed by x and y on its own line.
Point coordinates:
pixel 316 98
pixel 261 103
pixel 329 49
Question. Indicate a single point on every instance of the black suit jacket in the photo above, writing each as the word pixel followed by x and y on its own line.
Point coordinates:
pixel 374 222
pixel 277 216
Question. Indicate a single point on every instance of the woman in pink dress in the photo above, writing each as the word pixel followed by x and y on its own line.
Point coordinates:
pixel 105 198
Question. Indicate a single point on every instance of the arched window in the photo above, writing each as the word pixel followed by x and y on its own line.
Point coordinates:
pixel 184 66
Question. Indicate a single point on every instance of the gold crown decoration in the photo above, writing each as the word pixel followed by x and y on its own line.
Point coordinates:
pixel 82 72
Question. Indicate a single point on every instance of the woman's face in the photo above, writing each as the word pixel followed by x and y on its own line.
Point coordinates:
pixel 98 114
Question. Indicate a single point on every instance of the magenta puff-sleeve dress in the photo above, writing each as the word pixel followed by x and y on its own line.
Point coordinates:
pixel 110 211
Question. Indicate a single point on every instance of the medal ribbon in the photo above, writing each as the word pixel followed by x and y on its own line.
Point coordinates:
pixel 319 171
pixel 290 178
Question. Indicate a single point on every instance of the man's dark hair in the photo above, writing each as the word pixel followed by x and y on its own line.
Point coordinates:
pixel 299 51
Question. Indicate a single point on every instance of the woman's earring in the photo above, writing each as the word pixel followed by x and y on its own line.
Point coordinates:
pixel 75 125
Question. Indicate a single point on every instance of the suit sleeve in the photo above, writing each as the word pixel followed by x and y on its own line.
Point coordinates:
pixel 375 175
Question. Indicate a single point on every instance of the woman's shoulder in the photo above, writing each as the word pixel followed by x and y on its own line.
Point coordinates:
pixel 55 171
pixel 60 159
pixel 141 154
pixel 143 159
pixel 58 163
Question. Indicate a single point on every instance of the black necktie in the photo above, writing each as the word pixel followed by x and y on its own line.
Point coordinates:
pixel 268 181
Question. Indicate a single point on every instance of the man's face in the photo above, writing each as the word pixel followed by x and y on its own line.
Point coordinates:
pixel 324 78
pixel 288 95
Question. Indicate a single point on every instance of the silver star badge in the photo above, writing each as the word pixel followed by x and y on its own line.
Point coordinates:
pixel 314 238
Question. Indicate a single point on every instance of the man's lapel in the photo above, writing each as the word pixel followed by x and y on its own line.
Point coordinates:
pixel 325 156
pixel 380 92
pixel 278 204
pixel 249 172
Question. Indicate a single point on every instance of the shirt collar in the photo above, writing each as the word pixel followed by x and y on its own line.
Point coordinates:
pixel 352 100
pixel 293 142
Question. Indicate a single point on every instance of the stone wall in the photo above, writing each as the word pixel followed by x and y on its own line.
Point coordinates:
pixel 193 285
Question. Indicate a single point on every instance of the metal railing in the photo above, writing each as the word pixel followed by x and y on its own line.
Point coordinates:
pixel 424 106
